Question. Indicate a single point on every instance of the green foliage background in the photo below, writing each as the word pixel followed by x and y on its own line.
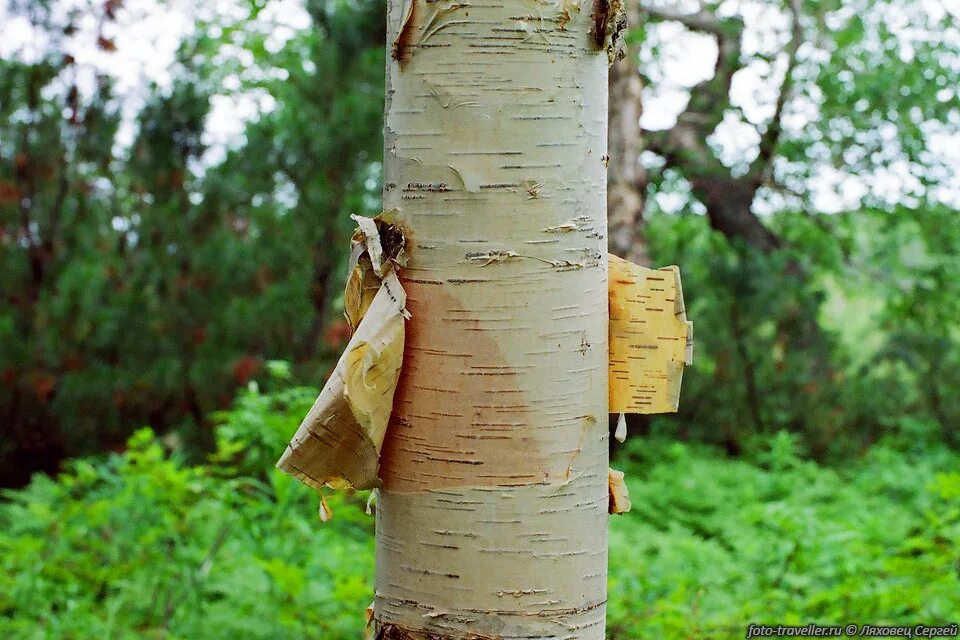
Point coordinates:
pixel 141 286
pixel 139 545
pixel 811 474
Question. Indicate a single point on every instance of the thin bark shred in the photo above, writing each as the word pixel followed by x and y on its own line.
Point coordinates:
pixel 619 494
pixel 325 512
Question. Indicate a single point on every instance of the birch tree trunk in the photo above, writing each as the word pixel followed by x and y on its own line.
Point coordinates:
pixel 492 517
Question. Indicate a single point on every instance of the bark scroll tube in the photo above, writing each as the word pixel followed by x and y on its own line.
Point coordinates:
pixel 619 496
pixel 338 443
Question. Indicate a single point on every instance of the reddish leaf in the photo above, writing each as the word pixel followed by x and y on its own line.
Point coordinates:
pixel 245 368
pixel 9 193
pixel 337 334
pixel 43 385
pixel 106 44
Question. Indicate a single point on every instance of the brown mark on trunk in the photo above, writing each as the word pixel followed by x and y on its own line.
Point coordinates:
pixel 460 416
pixel 401 49
pixel 394 632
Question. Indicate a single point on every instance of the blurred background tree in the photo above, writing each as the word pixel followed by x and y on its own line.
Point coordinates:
pixel 804 183
pixel 814 121
pixel 144 283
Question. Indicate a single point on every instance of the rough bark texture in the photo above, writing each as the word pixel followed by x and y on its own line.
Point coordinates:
pixel 626 178
pixel 492 517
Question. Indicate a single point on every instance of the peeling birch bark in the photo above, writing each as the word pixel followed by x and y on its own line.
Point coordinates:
pixel 377 248
pixel 609 22
pixel 619 495
pixel 338 443
pixel 650 338
pixel 492 515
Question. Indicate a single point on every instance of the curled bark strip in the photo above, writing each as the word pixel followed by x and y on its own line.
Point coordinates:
pixel 378 247
pixel 368 615
pixel 340 439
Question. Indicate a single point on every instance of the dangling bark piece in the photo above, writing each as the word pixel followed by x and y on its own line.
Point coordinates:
pixel 619 495
pixel 338 443
pixel 621 433
pixel 650 338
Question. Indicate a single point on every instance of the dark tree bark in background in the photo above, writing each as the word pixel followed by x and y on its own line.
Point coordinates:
pixel 626 178
pixel 626 181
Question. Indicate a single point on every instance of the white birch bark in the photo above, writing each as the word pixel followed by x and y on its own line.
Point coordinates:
pixel 492 517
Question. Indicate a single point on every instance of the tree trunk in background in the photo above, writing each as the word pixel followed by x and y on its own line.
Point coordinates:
pixel 492 517
pixel 627 182
pixel 626 178
pixel 727 197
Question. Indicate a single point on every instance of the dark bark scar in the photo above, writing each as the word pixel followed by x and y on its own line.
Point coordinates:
pixel 609 24
pixel 395 632
pixel 401 50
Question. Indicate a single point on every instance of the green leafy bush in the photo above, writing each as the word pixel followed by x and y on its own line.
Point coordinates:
pixel 714 544
pixel 139 545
